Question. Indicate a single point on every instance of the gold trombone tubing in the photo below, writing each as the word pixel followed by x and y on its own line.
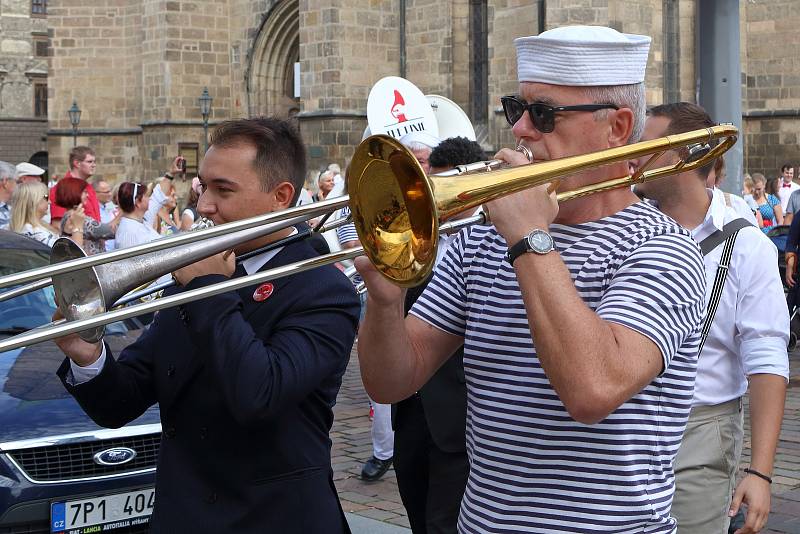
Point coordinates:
pixel 397 208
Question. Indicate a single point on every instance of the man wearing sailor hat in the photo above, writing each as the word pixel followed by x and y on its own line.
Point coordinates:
pixel 580 321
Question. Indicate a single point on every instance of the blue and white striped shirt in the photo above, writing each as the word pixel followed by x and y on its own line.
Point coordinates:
pixel 532 467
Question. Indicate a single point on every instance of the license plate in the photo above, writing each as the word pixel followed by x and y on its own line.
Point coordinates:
pixel 102 513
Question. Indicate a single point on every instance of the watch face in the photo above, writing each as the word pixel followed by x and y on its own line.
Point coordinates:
pixel 540 241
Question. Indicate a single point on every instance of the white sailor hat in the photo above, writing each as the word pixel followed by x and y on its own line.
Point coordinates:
pixel 582 56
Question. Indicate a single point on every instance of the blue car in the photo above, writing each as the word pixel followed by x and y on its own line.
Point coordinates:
pixel 59 471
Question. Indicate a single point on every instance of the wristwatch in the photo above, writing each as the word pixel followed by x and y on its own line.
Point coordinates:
pixel 537 241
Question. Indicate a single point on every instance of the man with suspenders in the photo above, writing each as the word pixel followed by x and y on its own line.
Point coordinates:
pixel 744 340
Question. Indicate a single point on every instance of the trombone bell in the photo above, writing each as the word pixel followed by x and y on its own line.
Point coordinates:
pixel 393 210
pixel 78 294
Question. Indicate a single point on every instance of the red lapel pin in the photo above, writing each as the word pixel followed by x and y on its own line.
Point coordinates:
pixel 263 292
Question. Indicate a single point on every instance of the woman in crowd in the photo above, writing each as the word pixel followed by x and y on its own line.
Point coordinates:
pixel 324 186
pixel 134 199
pixel 747 193
pixel 190 215
pixel 71 194
pixel 30 205
pixel 768 204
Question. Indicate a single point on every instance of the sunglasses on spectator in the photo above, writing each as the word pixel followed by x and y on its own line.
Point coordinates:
pixel 542 116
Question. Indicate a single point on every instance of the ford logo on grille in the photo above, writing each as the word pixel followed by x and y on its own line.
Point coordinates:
pixel 115 456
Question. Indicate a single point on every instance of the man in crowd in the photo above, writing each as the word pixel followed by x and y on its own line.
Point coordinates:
pixel 82 164
pixel 28 172
pixel 792 206
pixel 574 366
pixel 245 380
pixel 787 185
pixel 430 450
pixel 108 210
pixel 8 182
pixel 747 337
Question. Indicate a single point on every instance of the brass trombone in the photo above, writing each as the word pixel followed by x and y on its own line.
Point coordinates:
pixel 396 208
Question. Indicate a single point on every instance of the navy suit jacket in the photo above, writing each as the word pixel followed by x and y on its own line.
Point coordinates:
pixel 246 391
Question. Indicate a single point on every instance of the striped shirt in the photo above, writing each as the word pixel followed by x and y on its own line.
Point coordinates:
pixel 532 467
pixel 345 232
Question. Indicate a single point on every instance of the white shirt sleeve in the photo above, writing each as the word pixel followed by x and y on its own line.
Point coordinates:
pixel 84 374
pixel 762 318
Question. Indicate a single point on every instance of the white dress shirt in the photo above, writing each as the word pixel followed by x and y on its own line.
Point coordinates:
pixel 740 205
pixel 785 192
pixel 84 374
pixel 750 330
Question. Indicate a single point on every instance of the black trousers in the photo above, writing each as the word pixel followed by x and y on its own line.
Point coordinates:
pixel 431 481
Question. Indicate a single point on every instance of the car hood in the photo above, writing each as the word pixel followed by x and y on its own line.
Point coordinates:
pixel 34 402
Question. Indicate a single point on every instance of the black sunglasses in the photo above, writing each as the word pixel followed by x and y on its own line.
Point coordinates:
pixel 542 116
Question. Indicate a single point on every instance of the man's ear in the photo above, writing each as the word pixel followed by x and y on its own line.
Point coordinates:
pixel 284 194
pixel 621 126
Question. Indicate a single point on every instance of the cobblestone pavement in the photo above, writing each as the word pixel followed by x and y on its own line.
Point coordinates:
pixel 381 501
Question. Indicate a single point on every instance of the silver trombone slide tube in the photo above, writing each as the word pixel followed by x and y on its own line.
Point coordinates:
pixel 136 295
pixel 296 214
pixel 71 327
pixel 452 227
pixel 28 288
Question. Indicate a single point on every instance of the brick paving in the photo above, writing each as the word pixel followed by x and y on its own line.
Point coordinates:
pixel 380 500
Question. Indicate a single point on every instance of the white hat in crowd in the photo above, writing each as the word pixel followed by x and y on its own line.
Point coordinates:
pixel 420 137
pixel 582 56
pixel 29 169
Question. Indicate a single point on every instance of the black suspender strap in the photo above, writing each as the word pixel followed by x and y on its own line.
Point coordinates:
pixel 728 235
pixel 714 240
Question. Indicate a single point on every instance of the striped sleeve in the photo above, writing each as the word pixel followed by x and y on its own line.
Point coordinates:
pixel 659 291
pixel 346 232
pixel 443 303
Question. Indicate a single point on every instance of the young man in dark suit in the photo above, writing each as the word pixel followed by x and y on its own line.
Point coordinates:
pixel 246 380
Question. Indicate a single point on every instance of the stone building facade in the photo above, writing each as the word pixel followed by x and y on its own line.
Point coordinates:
pixel 137 67
pixel 24 47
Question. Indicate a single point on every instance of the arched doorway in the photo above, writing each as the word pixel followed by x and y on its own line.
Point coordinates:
pixel 270 71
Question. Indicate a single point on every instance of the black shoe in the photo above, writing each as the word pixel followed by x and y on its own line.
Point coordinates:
pixel 374 468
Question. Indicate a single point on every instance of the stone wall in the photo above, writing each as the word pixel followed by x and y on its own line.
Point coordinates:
pixel 345 47
pixel 137 68
pixel 771 93
pixel 20 69
pixel 22 138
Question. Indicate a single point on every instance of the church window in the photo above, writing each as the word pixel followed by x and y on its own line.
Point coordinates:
pixel 40 100
pixel 39 7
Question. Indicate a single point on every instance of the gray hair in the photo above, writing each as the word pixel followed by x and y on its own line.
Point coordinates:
pixel 623 96
pixel 417 145
pixel 7 171
pixel 334 168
